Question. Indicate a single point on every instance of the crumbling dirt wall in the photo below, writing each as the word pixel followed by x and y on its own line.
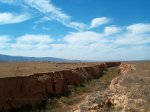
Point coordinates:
pixel 17 92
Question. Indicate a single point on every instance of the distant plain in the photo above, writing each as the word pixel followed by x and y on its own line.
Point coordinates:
pixel 13 69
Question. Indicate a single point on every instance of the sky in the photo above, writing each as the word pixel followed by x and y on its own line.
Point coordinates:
pixel 96 30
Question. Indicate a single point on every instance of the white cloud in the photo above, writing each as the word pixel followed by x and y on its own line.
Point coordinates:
pixel 139 52
pixel 78 25
pixel 99 21
pixel 86 45
pixel 18 46
pixel 28 47
pixel 129 39
pixel 139 28
pixel 42 7
pixel 109 30
pixel 4 40
pixel 86 37
pixel 130 42
pixel 102 46
pixel 9 18
pixel 51 12
pixel 46 7
pixel 28 42
pixel 135 34
pixel 33 39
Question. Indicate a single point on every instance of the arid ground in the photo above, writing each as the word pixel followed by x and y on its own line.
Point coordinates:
pixel 115 92
pixel 88 98
pixel 96 95
pixel 13 69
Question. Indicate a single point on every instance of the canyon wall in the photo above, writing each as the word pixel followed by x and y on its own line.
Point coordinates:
pixel 18 92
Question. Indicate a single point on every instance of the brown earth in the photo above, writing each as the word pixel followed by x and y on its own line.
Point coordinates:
pixel 13 69
pixel 125 93
pixel 30 90
pixel 129 92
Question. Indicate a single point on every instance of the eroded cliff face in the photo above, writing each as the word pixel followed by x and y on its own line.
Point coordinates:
pixel 17 92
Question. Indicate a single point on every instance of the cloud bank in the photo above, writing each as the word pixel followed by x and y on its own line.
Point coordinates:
pixel 87 45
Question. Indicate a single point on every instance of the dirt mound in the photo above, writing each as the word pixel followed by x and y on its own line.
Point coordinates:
pixel 125 68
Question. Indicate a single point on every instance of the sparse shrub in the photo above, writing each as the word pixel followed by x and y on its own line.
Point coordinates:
pixel 52 103
pixel 67 100
pixel 109 74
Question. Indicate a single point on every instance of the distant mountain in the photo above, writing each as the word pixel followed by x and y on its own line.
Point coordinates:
pixel 22 58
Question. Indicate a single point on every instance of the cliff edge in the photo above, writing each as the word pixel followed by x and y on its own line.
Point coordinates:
pixel 19 92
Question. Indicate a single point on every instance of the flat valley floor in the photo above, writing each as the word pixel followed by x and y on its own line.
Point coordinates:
pixel 13 69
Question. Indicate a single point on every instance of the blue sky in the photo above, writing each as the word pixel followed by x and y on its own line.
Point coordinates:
pixel 76 29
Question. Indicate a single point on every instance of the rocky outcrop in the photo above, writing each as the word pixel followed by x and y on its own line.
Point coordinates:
pixel 17 92
pixel 125 68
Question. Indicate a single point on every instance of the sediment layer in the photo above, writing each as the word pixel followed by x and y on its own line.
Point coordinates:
pixel 18 92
